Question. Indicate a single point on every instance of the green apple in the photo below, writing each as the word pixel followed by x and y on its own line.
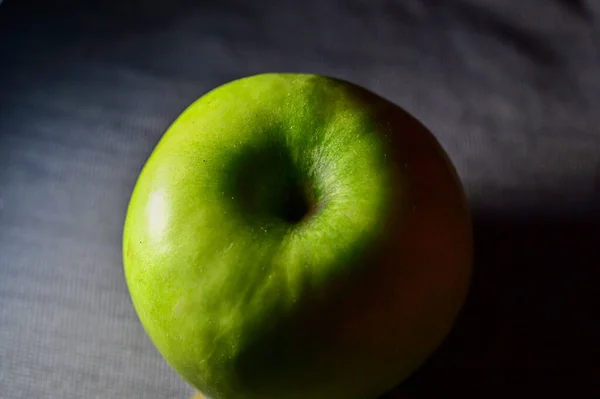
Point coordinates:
pixel 297 236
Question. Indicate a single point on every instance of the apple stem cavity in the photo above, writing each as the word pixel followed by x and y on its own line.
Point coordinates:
pixel 266 185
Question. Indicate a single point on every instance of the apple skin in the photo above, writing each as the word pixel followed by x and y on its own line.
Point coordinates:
pixel 345 298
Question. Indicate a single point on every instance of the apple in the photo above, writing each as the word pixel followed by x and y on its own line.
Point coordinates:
pixel 297 236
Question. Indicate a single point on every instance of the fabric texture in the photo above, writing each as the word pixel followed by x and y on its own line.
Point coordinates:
pixel 510 89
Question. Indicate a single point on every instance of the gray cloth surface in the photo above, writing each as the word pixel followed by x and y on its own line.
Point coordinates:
pixel 511 90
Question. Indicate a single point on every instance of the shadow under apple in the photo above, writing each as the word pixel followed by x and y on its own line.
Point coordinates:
pixel 531 323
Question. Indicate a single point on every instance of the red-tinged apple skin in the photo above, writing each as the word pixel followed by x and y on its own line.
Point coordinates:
pixel 297 236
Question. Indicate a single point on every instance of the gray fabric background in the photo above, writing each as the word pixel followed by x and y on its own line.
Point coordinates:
pixel 511 89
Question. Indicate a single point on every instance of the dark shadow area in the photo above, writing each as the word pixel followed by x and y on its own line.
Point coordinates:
pixel 578 7
pixel 147 15
pixel 101 20
pixel 531 323
pixel 101 17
